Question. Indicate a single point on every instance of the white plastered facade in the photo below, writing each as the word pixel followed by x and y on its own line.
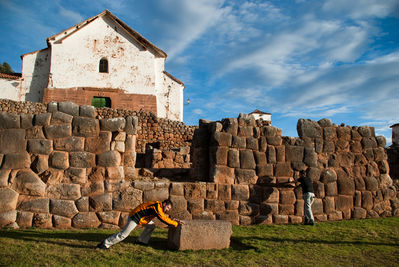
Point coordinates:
pixel 134 64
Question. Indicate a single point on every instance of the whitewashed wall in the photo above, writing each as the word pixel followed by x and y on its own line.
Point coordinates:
pixel 10 89
pixel 35 74
pixel 75 63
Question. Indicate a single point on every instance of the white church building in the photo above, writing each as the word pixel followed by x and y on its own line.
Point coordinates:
pixel 102 62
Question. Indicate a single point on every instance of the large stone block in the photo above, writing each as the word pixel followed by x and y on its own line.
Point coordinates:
pixel 252 143
pixel 101 202
pixel 268 208
pixel 331 189
pixel 371 183
pixel 64 191
pixel 222 175
pixel 82 159
pixel 195 190
pixel 260 158
pixel 58 131
pixel 224 192
pixel 4 175
pixel 131 125
pixel 346 184
pixel 283 169
pixel 239 192
pixel 36 132
pixel 66 208
pixel 69 108
pixel 87 127
pixel 111 217
pixel 8 199
pixel 40 146
pixel 195 206
pixel 86 220
pixel 214 205
pixel 24 219
pixel 33 204
pixel 245 176
pixel 367 200
pixel 179 203
pixel 246 208
pixel 113 124
pixel 287 197
pixel 247 159
pixel 8 217
pixel 12 141
pixel 271 154
pixel 218 155
pixel 15 161
pixel 28 183
pixel 60 118
pixel 344 203
pixel 200 234
pixel 72 143
pixel 26 120
pixel 229 215
pixel 42 220
pixel 109 159
pixel 264 170
pixel 9 120
pixel 99 144
pixel 271 195
pixel 159 194
pixel 59 160
pixel 238 142
pixel 87 111
pixel 245 131
pixel 233 159
pixel 294 153
pixel 127 199
pixel 42 119
pixel 308 128
pixel 61 222
pixel 328 176
pixel 221 139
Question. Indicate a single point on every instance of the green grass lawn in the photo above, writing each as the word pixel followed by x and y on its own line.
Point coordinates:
pixel 373 242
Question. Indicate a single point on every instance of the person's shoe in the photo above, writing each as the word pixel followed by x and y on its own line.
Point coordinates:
pixel 311 223
pixel 306 221
pixel 102 246
pixel 140 243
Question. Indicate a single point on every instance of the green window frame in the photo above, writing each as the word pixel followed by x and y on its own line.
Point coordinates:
pixel 101 102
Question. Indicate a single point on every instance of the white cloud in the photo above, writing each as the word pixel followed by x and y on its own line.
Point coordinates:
pixel 362 9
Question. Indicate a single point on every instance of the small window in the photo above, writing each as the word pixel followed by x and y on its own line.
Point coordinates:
pixel 103 65
pixel 101 102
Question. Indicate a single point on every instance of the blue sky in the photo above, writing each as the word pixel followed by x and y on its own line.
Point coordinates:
pixel 335 59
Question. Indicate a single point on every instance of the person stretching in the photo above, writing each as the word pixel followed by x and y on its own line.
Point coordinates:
pixel 142 215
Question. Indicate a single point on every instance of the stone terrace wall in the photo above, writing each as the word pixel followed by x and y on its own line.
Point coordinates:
pixel 348 166
pixel 160 133
pixel 66 168
pixel 166 134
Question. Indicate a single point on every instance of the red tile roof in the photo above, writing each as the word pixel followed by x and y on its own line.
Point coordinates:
pixel 11 76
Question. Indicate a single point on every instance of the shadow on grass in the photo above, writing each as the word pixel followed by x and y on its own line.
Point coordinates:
pixel 69 239
pixel 236 243
pixel 319 241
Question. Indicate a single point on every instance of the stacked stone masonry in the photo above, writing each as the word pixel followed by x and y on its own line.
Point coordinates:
pixel 73 166
pixel 166 134
pixel 256 164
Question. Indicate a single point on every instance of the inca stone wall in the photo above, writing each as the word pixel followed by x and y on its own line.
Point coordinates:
pixel 163 133
pixel 348 166
pixel 74 166
pixel 65 168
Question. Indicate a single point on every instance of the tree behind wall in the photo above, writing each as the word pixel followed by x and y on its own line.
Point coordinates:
pixel 6 68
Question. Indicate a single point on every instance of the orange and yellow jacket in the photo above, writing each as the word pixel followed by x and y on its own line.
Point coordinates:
pixel 145 212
